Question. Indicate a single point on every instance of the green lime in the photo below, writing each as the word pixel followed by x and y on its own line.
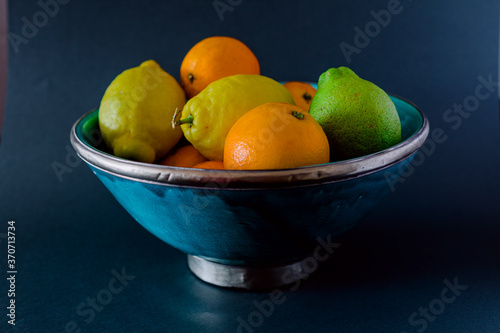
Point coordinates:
pixel 358 117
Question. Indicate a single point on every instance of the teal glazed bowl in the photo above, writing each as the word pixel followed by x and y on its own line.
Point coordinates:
pixel 251 229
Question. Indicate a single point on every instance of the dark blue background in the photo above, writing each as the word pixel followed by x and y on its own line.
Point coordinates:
pixel 442 222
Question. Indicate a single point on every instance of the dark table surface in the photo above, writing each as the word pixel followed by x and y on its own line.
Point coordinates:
pixel 427 259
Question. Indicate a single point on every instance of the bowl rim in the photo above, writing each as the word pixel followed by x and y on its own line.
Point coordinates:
pixel 250 179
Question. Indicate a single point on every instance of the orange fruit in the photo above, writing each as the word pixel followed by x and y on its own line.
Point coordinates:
pixel 185 157
pixel 275 136
pixel 302 93
pixel 215 165
pixel 214 58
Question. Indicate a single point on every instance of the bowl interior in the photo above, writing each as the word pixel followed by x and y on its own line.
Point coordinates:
pixel 411 118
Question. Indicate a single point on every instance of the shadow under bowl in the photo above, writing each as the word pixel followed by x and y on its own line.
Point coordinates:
pixel 228 220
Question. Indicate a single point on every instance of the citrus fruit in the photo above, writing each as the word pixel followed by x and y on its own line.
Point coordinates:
pixel 358 117
pixel 184 157
pixel 214 58
pixel 136 112
pixel 214 165
pixel 208 117
pixel 302 93
pixel 275 136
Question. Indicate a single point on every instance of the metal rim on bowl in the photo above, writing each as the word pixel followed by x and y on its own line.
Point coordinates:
pixel 250 179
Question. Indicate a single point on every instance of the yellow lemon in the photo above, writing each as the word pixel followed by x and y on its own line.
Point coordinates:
pixel 135 116
pixel 208 117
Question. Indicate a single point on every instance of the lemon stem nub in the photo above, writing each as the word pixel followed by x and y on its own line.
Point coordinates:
pixel 297 115
pixel 188 120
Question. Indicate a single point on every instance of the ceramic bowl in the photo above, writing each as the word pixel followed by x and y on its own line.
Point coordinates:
pixel 250 219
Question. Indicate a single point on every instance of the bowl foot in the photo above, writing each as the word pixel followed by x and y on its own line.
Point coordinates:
pixel 266 277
